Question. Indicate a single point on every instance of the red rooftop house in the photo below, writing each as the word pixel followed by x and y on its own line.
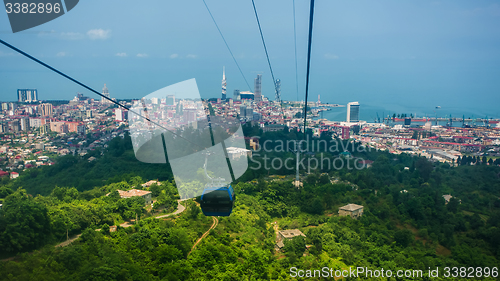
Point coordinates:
pixel 3 174
pixel 14 175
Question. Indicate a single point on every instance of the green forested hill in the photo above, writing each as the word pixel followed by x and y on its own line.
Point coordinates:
pixel 406 225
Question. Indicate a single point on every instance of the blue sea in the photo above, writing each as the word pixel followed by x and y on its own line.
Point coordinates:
pixel 369 112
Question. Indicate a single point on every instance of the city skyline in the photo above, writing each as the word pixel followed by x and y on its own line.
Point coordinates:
pixel 397 64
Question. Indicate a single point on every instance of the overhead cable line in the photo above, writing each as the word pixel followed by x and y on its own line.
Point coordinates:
pixel 225 42
pixel 263 42
pixel 311 16
pixel 90 89
pixel 295 44
pixel 267 56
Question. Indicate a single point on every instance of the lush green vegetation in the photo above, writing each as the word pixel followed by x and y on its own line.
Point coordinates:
pixel 406 222
pixel 27 222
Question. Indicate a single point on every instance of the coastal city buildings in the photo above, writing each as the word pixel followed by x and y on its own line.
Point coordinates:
pixel 27 95
pixel 33 132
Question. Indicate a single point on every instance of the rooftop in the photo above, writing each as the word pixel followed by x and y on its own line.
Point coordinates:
pixel 290 233
pixel 133 192
pixel 279 244
pixel 351 207
pixel 149 183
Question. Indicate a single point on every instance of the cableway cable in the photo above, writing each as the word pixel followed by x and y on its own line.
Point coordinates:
pixel 295 44
pixel 267 56
pixel 225 42
pixel 92 90
pixel 311 16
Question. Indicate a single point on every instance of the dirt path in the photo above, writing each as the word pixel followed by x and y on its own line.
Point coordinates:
pixel 67 242
pixel 216 222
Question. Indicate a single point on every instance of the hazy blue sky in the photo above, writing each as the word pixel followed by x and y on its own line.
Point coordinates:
pixel 394 55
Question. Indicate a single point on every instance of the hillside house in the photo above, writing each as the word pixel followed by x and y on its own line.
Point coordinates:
pixel 286 235
pixel 352 210
pixel 136 192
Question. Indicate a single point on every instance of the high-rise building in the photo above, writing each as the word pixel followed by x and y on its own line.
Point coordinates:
pixel 246 95
pixel 236 95
pixel 35 122
pixel 15 126
pixel 249 113
pixel 258 88
pixel 59 127
pixel 44 129
pixel 243 111
pixel 346 132
pixel 45 109
pixel 25 124
pixel 118 114
pixel 81 129
pixel 189 115
pixel 170 100
pixel 27 95
pixel 121 115
pixel 105 92
pixel 278 90
pixel 223 83
pixel 353 112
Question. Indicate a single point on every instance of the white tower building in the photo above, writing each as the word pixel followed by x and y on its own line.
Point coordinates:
pixel 105 93
pixel 223 83
pixel 352 112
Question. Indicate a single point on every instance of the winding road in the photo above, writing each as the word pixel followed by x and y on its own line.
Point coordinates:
pixel 216 222
pixel 180 209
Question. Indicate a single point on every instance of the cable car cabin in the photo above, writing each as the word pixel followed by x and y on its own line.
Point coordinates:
pixel 217 201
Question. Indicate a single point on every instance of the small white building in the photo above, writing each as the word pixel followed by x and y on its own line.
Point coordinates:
pixel 237 152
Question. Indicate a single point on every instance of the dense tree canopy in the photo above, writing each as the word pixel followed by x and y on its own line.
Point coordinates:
pixel 406 223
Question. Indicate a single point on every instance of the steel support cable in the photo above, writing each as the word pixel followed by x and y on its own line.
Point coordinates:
pixel 227 45
pixel 90 89
pixel 311 16
pixel 295 45
pixel 267 56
